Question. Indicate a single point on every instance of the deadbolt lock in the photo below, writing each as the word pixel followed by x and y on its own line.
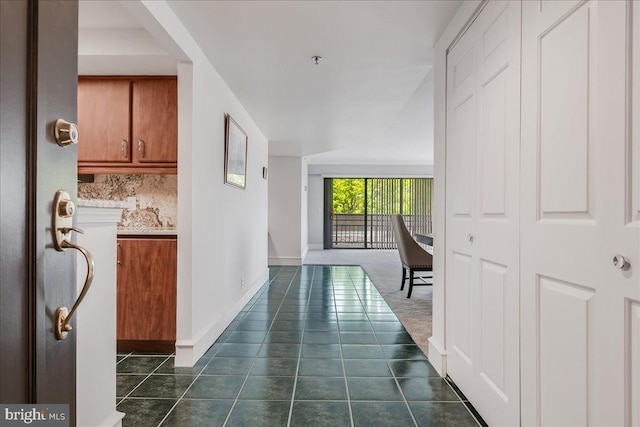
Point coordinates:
pixel 66 208
pixel 66 133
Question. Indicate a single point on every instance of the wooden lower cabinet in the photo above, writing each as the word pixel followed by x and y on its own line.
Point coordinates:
pixel 147 281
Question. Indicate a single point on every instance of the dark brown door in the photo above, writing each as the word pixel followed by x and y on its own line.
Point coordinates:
pixel 38 81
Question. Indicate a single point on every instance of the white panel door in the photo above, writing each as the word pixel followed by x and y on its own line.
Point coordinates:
pixel 483 116
pixel 580 315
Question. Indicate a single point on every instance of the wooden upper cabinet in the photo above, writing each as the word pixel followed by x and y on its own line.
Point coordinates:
pixel 104 120
pixel 128 124
pixel 155 121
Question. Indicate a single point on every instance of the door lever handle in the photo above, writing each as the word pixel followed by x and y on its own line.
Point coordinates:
pixel 67 230
pixel 63 315
pixel 63 210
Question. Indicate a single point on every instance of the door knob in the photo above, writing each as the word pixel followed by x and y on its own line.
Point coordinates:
pixel 470 238
pixel 65 133
pixel 620 262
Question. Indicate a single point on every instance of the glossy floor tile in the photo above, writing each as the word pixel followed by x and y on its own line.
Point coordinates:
pixel 316 346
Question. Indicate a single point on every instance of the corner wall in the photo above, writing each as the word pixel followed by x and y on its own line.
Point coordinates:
pixel 222 239
pixel 287 210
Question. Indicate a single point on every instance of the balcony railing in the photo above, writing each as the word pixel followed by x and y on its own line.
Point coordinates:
pixel 373 231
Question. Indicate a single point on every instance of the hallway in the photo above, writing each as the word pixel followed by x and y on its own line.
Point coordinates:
pixel 317 346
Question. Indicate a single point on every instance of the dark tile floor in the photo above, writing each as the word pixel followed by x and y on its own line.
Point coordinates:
pixel 317 346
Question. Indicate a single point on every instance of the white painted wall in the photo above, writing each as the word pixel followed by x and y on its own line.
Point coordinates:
pixel 347 170
pixel 437 342
pixel 286 193
pixel 222 230
pixel 315 212
pixel 304 207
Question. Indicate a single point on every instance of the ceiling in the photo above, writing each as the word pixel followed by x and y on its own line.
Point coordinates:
pixel 369 100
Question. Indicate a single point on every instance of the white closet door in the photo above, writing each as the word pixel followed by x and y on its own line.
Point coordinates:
pixel 483 138
pixel 580 331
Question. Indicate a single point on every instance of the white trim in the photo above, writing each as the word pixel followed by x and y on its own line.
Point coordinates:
pixel 113 420
pixel 285 261
pixel 305 251
pixel 188 352
pixel 438 357
pixel 99 215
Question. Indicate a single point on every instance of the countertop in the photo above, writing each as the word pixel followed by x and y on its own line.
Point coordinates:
pixel 147 232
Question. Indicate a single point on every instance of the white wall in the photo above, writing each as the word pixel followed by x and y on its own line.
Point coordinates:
pixel 286 219
pixel 316 211
pixel 96 319
pixel 304 207
pixel 222 230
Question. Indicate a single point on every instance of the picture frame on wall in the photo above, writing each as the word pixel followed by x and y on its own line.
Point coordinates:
pixel 235 154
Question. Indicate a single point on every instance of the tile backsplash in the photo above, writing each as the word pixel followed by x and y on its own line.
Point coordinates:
pixel 156 199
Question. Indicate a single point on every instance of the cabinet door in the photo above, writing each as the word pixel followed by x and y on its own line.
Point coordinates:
pixel 155 121
pixel 147 289
pixel 104 120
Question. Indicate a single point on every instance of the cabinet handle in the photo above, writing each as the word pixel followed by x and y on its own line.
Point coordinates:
pixel 119 248
pixel 123 148
pixel 141 148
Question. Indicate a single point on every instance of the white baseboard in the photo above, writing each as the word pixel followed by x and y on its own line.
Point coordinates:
pixel 113 420
pixel 188 352
pixel 304 254
pixel 438 357
pixel 285 261
pixel 316 246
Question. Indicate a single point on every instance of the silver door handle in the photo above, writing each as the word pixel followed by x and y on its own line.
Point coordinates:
pixel 470 238
pixel 620 262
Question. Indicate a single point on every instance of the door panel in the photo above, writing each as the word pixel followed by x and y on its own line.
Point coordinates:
pixel 482 212
pixel 633 148
pixel 494 279
pixel 632 359
pixel 564 62
pixel 576 307
pixel 56 168
pixel 461 293
pixel 494 167
pixel 38 83
pixel 566 317
pixel 14 295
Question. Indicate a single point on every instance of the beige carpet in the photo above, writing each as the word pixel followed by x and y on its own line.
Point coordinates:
pixel 384 269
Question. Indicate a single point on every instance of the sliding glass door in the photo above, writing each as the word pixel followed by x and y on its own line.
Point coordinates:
pixel 359 210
